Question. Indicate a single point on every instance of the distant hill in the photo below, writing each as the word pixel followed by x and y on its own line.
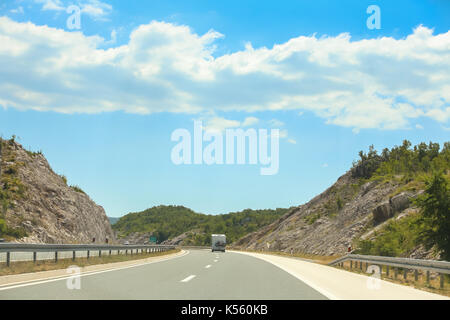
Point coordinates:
pixel 189 227
pixel 113 220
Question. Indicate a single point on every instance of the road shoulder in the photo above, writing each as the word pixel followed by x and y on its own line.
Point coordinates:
pixel 343 285
pixel 19 279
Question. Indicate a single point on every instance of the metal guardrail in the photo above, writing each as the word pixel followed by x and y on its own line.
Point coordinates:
pixel 55 248
pixel 441 267
pixel 195 247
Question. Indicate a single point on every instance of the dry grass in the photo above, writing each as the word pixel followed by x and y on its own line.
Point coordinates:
pixel 421 283
pixel 45 265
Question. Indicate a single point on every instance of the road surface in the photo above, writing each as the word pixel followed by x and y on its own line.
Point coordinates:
pixel 201 274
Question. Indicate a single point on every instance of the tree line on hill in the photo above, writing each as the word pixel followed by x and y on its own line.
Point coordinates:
pixel 167 222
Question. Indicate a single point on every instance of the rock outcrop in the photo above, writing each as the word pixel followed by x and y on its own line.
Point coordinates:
pixel 40 204
pixel 387 209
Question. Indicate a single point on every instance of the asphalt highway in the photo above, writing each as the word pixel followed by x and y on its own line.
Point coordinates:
pixel 199 274
pixel 206 275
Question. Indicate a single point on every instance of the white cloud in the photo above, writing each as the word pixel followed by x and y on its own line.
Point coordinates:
pixel 376 83
pixel 418 126
pixel 113 39
pixel 283 134
pixel 276 123
pixel 325 165
pixel 94 8
pixel 249 121
pixel 219 124
pixel 293 141
pixel 19 9
pixel 55 5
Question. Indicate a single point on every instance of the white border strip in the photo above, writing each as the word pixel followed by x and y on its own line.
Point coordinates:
pixel 309 283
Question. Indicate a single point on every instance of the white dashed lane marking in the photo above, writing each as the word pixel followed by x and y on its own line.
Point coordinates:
pixel 192 276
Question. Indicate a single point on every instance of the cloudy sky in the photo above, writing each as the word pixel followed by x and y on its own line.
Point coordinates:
pixel 101 101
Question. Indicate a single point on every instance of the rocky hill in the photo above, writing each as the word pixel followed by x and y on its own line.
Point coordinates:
pixel 328 224
pixel 37 205
pixel 378 191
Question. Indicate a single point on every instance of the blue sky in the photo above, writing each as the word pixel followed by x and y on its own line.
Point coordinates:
pixel 101 102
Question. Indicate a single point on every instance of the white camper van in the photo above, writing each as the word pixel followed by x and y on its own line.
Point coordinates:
pixel 218 242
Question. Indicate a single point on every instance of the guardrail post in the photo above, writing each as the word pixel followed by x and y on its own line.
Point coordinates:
pixel 387 271
pixel 109 252
pixel 73 255
pixel 360 265
pixel 428 276
pixel 88 254
pixel 442 281
pixel 351 264
pixel 8 258
pixel 126 251
pixel 99 253
pixel 416 275
pixel 56 256
pixel 395 273
pixel 405 273
pixel 34 256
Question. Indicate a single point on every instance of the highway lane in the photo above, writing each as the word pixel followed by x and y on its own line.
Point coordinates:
pixel 200 274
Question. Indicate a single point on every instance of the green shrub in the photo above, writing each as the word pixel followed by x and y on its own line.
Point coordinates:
pixel 339 203
pixel 435 208
pixel 397 238
pixel 3 227
pixel 312 218
pixel 64 178
pixel 77 189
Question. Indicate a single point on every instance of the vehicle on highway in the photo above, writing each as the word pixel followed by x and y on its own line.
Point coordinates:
pixel 218 242
pixel 126 243
pixel 2 240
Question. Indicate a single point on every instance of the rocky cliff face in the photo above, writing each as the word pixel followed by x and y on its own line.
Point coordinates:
pixel 329 223
pixel 38 205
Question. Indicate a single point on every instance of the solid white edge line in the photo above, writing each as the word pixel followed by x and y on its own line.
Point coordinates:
pixel 319 289
pixel 89 273
pixel 187 279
